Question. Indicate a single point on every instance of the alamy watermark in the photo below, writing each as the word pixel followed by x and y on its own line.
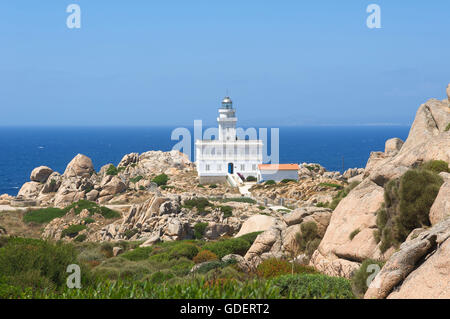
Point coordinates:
pixel 73 21
pixel 374 19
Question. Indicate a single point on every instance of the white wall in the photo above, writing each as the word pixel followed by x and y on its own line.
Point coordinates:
pixel 277 176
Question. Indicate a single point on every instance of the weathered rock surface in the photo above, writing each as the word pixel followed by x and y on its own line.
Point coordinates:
pixel 279 240
pixel 393 146
pixel 420 269
pixel 257 223
pixel 80 166
pixel 441 206
pixel 40 174
pixel 30 190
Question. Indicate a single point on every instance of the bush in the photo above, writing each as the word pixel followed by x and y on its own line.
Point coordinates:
pixel 183 250
pixel 251 178
pixel 43 216
pixel 112 170
pixel 89 220
pixel 312 286
pixel 37 264
pixel 204 255
pixel 288 180
pixel 160 277
pixel 240 200
pixel 359 278
pixel 199 230
pixel 213 186
pixel 72 231
pixel 227 211
pixel 93 208
pixel 354 233
pixel 137 254
pixel 130 233
pixel 225 247
pixel 407 205
pixel 199 203
pixel 161 179
pixel 270 182
pixel 447 128
pixel 80 238
pixel 274 267
pixel 342 194
pixel 331 185
pixel 136 179
pixel 436 166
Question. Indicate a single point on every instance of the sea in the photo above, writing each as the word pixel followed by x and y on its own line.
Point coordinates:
pixel 337 148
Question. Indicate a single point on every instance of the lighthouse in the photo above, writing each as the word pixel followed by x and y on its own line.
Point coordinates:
pixel 228 156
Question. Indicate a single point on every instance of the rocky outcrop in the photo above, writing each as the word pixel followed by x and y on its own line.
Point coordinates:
pixel 280 240
pixel 80 166
pixel 40 174
pixel 339 254
pixel 30 190
pixel 420 269
pixel 355 213
pixel 441 206
pixel 257 223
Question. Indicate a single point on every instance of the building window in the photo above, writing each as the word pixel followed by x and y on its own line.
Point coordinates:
pixel 207 167
pixel 254 167
pixel 219 168
pixel 242 167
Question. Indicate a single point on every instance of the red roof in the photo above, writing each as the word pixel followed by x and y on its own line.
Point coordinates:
pixel 278 167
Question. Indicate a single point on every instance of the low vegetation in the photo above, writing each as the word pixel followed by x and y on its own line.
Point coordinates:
pixel 341 195
pixel 161 179
pixel 46 215
pixel 274 267
pixel 331 185
pixel 447 128
pixel 360 277
pixel 407 204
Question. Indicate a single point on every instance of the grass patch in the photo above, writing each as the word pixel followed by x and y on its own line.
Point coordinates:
pixel 331 185
pixel 136 179
pixel 161 179
pixel 354 233
pixel 239 200
pixel 72 231
pixel 43 216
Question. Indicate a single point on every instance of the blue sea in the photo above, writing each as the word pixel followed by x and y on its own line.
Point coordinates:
pixel 22 149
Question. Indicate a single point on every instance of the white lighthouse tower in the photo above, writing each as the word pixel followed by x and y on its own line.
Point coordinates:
pixel 227 157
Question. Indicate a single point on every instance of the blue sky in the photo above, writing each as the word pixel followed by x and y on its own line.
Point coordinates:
pixel 170 62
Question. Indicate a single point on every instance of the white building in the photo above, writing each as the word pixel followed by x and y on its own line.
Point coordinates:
pixel 277 172
pixel 227 155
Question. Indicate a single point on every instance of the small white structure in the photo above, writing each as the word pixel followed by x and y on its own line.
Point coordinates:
pixel 277 172
pixel 226 156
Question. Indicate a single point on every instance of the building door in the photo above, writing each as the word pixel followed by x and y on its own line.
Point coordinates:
pixel 230 168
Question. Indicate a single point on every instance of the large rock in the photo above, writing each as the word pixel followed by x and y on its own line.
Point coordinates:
pixel 30 190
pixel 40 174
pixel 257 223
pixel 128 159
pixel 441 206
pixel 393 146
pixel 355 212
pixel 52 184
pixel 112 185
pixel 79 166
pixel 420 269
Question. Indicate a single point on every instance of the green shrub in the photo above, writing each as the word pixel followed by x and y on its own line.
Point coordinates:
pixel 250 237
pixel 43 216
pixel 288 180
pixel 359 278
pixel 321 204
pixel 260 207
pixel 199 230
pixel 354 233
pixel 88 220
pixel 447 128
pixel 37 264
pixel 142 188
pixel 130 233
pixel 160 277
pixel 436 166
pixel 93 208
pixel 72 231
pixel 80 238
pixel 227 211
pixel 251 178
pixel 204 255
pixel 137 254
pixel 240 200
pixel 342 194
pixel 274 267
pixel 136 179
pixel 213 186
pixel 407 205
pixel 199 203
pixel 112 170
pixel 161 179
pixel 270 182
pixel 225 247
pixel 183 249
pixel 331 185
pixel 312 286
